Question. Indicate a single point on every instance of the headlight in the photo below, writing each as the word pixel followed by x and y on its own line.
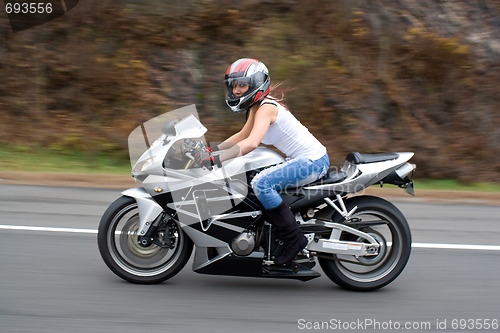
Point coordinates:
pixel 143 165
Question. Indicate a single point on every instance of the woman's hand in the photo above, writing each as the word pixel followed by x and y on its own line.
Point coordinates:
pixel 204 158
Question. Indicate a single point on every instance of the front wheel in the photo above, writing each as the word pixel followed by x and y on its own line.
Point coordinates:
pixel 120 248
pixel 387 225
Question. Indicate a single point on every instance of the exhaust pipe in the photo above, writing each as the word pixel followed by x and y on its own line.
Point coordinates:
pixel 402 177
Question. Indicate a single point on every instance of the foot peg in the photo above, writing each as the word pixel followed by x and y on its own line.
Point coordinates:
pixel 293 270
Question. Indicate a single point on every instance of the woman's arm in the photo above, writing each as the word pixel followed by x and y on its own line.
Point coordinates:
pixel 261 120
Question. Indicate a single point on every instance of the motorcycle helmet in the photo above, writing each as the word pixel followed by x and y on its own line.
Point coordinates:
pixel 251 73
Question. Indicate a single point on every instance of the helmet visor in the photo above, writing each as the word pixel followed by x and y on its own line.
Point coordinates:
pixel 238 87
pixel 238 81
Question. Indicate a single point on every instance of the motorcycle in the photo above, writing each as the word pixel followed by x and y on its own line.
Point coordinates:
pixel 147 235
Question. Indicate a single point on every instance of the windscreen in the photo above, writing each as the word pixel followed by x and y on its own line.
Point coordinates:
pixel 145 135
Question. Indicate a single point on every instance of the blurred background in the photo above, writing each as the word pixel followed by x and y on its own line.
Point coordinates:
pixel 362 75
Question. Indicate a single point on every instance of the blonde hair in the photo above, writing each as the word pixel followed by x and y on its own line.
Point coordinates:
pixel 277 93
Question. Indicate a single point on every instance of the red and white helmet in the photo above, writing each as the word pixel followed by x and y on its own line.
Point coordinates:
pixel 251 72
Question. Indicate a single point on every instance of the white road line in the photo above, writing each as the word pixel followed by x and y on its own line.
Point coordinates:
pixel 456 246
pixel 414 245
pixel 49 229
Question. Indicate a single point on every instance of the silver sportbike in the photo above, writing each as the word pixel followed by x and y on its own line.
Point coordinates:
pixel 147 235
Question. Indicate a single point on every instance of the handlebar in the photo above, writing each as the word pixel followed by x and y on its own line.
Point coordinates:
pixel 189 154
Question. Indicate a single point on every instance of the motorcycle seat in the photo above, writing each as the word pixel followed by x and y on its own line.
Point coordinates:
pixel 357 158
pixel 330 178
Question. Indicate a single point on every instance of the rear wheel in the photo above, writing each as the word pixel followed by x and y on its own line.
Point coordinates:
pixel 120 248
pixel 387 225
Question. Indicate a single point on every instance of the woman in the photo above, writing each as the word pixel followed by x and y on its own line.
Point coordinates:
pixel 269 122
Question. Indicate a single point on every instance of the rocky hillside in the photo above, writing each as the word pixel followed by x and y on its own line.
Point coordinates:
pixel 363 75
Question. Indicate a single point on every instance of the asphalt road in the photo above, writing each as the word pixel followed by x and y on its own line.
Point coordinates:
pixel 53 281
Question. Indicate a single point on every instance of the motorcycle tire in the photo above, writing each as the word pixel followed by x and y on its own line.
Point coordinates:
pixel 389 227
pixel 120 249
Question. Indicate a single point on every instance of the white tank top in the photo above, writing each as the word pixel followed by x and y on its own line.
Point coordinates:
pixel 291 137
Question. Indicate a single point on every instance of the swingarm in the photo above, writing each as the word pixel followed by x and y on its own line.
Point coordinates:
pixel 366 246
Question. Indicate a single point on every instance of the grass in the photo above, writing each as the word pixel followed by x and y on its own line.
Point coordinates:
pixel 31 159
pixel 35 159
pixel 454 185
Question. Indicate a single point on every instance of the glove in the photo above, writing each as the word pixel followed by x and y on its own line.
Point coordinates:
pixel 204 158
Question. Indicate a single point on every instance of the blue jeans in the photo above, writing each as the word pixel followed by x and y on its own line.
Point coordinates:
pixel 289 174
